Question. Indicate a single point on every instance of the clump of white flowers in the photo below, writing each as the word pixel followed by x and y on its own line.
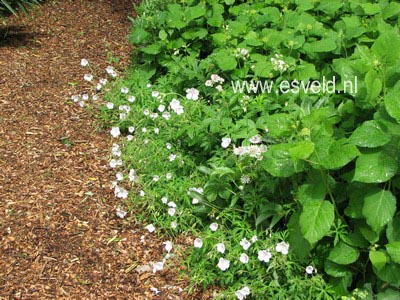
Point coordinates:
pixel 242 293
pixel 255 151
pixel 278 63
pixel 242 53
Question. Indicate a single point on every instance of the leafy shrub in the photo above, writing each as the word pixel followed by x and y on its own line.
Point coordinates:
pixel 321 165
pixel 10 6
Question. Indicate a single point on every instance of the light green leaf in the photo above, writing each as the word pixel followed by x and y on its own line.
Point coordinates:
pixel 379 208
pixel 316 220
pixel 301 150
pixel 343 254
pixel 334 154
pixel 370 134
pixel 394 251
pixel 378 259
pixel 324 45
pixel 277 161
pixel 392 102
pixel 225 60
pixel 312 192
pixel 375 166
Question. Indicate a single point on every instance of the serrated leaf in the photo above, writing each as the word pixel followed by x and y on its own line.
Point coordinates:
pixel 335 270
pixel 225 61
pixel 378 259
pixel 392 102
pixel 343 254
pixel 394 251
pixel 375 166
pixel 334 154
pixel 379 208
pixel 316 220
pixel 277 161
pixel 302 150
pixel 324 45
pixel 312 192
pixel 370 134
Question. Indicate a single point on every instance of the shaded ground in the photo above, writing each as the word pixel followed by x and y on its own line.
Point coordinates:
pixel 59 235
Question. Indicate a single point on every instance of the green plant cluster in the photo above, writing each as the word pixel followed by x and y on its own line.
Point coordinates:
pixel 330 175
pixel 11 6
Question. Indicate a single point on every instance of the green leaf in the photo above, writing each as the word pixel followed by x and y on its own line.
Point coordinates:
pixel 301 150
pixel 334 154
pixel 343 254
pixel 316 220
pixel 225 60
pixel 389 273
pixel 375 166
pixel 379 208
pixel 152 49
pixel 195 12
pixel 312 192
pixel 335 270
pixel 384 46
pixel 373 85
pixel 394 251
pixel 138 35
pixel 370 134
pixel 378 259
pixel 324 45
pixel 279 125
pixel 389 294
pixel 392 102
pixel 303 247
pixel 277 161
pixel 393 230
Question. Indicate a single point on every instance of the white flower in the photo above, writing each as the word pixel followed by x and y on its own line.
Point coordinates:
pixel 192 94
pixel 245 179
pixel 146 141
pixel 172 157
pixel 85 97
pixel 243 293
pixel 150 228
pixel 172 211
pixel 110 70
pixel 155 290
pixel 219 88
pixel 99 87
pixel 176 106
pixel 255 139
pixel 254 239
pixel 215 78
pixel 161 108
pixel 115 150
pixel 131 175
pixel 88 77
pixel 220 247
pixel 245 244
pixel 264 255
pixel 168 246
pixel 168 145
pixel 223 264
pixel 120 213
pixel 144 129
pixel 120 192
pixel 115 132
pixel 84 62
pixel 75 98
pixel 213 226
pixel 146 112
pixel 124 90
pixel 110 105
pixel 131 99
pixel 174 225
pixel 119 176
pixel 103 81
pixel 158 266
pixel 309 270
pixel 164 200
pixel 155 94
pixel 142 193
pixel 156 130
pixel 95 97
pixel 122 116
pixel 283 248
pixel 129 137
pixel 166 115
pixel 81 103
pixel 148 85
pixel 198 243
pixel 209 83
pixel 168 176
pixel 195 201
pixel 172 204
pixel 225 142
pixel 244 258
pixel 115 163
pixel 156 178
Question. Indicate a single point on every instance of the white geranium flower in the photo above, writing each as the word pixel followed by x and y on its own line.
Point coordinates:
pixel 282 247
pixel 95 97
pixel 84 62
pixel 131 129
pixel 219 88
pixel 225 142
pixel 164 200
pixel 120 192
pixel 115 132
pixel 198 243
pixel 156 130
pixel 309 270
pixel 213 226
pixel 88 77
pixel 209 83
pixel 168 246
pixel 166 115
pixel 195 201
pixel 223 264
pixel 103 81
pixel 242 293
pixel 120 213
pixel 156 178
pixel 110 70
pixel 150 228
pixel 255 139
pixel 99 87
pixel 115 163
pixel 85 97
pixel 172 157
pixel 168 176
pixel 155 94
pixel 254 239
pixel 124 90
pixel 172 211
pixel 144 129
pixel 264 255
pixel 245 244
pixel 168 145
pixel 75 98
pixel 192 94
pixel 220 247
pixel 172 204
pixel 110 105
pixel 161 108
pixel 142 193
pixel 174 224
pixel 131 175
pixel 129 137
pixel 148 85
pixel 131 99
pixel 244 258
pixel 158 266
pixel 119 176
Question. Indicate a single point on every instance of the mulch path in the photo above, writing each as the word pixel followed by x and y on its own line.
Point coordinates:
pixel 60 237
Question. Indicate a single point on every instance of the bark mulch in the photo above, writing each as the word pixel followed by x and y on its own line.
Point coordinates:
pixel 60 237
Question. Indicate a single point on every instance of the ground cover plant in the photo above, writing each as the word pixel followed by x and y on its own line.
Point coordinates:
pixel 290 189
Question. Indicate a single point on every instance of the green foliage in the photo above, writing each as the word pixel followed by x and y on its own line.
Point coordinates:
pixel 327 170
pixel 11 6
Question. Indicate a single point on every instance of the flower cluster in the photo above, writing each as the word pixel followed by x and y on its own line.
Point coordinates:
pixel 278 63
pixel 255 151
pixel 242 53
pixel 215 80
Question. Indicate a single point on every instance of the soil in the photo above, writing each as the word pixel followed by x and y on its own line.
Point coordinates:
pixel 60 237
